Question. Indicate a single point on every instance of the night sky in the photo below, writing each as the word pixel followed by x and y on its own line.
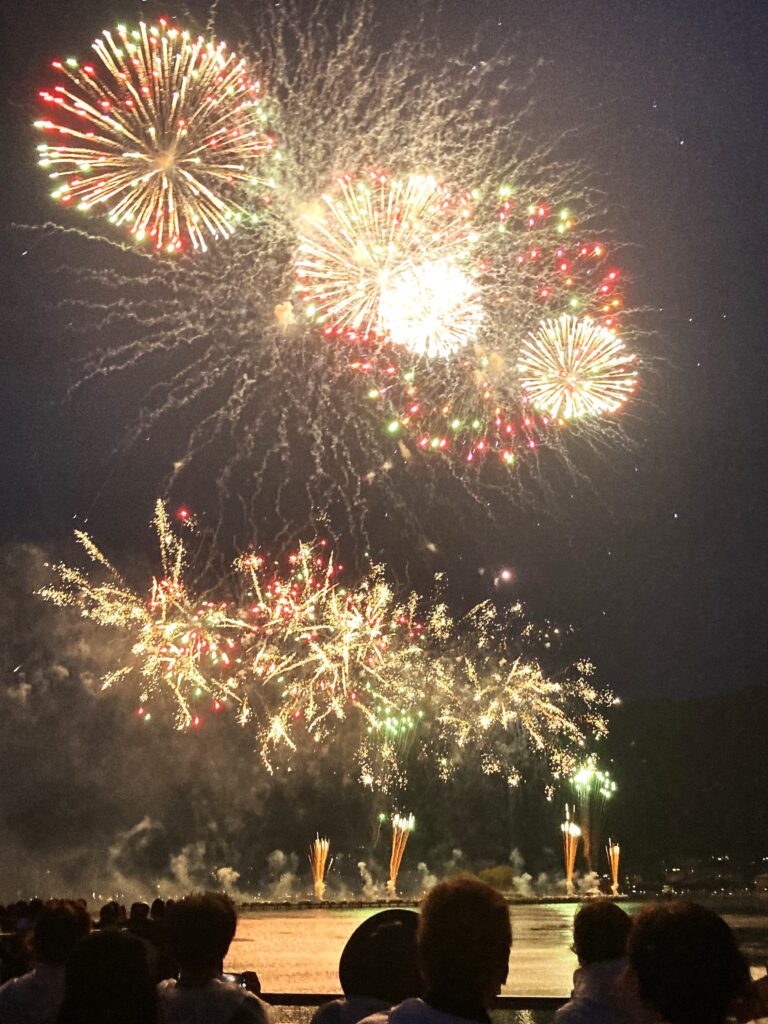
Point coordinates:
pixel 658 559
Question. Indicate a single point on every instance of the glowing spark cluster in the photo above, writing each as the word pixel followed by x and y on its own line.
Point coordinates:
pixel 299 655
pixel 178 642
pixel 159 133
pixel 297 633
pixel 571 368
pixel 389 259
pixel 591 781
pixel 593 786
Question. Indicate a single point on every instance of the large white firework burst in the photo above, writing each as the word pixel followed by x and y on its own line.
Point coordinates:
pixel 573 367
pixel 391 258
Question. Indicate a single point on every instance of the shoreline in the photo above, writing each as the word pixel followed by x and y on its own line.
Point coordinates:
pixel 384 904
pixel 751 900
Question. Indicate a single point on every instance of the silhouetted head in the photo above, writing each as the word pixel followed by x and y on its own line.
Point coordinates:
pixel 157 909
pixel 464 940
pixel 200 928
pixel 59 930
pixel 379 959
pixel 139 912
pixel 600 932
pixel 686 962
pixel 109 914
pixel 108 982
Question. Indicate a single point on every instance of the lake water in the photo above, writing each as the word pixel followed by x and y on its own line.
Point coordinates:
pixel 298 950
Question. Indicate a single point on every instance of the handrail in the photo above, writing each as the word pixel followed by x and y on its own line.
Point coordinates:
pixel 501 1003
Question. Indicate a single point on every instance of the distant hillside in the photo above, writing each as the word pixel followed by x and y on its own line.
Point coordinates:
pixel 693 777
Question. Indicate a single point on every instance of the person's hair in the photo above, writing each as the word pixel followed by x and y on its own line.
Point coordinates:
pixel 60 928
pixel 109 913
pixel 157 909
pixel 464 939
pixel 108 982
pixel 200 928
pixel 139 911
pixel 688 966
pixel 600 931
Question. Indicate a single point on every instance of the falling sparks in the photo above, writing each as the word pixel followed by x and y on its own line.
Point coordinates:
pixel 302 657
pixel 159 133
pixel 571 368
pixel 593 786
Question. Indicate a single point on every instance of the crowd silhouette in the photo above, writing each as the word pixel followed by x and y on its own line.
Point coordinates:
pixel 677 963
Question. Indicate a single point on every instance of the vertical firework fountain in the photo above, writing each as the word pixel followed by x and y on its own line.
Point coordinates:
pixel 592 787
pixel 401 830
pixel 613 853
pixel 318 859
pixel 571 835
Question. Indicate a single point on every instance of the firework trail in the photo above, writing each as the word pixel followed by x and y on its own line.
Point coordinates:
pixel 302 657
pixel 613 853
pixel 571 834
pixel 401 830
pixel 593 787
pixel 372 307
pixel 157 133
pixel 318 858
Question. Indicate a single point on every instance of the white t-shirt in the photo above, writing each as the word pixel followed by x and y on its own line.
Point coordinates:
pixel 216 1002
pixel 414 1011
pixel 34 998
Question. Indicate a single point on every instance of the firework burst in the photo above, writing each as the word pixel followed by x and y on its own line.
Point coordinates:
pixel 571 368
pixel 179 643
pixel 299 655
pixel 593 787
pixel 291 645
pixel 482 401
pixel 501 702
pixel 440 262
pixel 159 133
pixel 390 260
